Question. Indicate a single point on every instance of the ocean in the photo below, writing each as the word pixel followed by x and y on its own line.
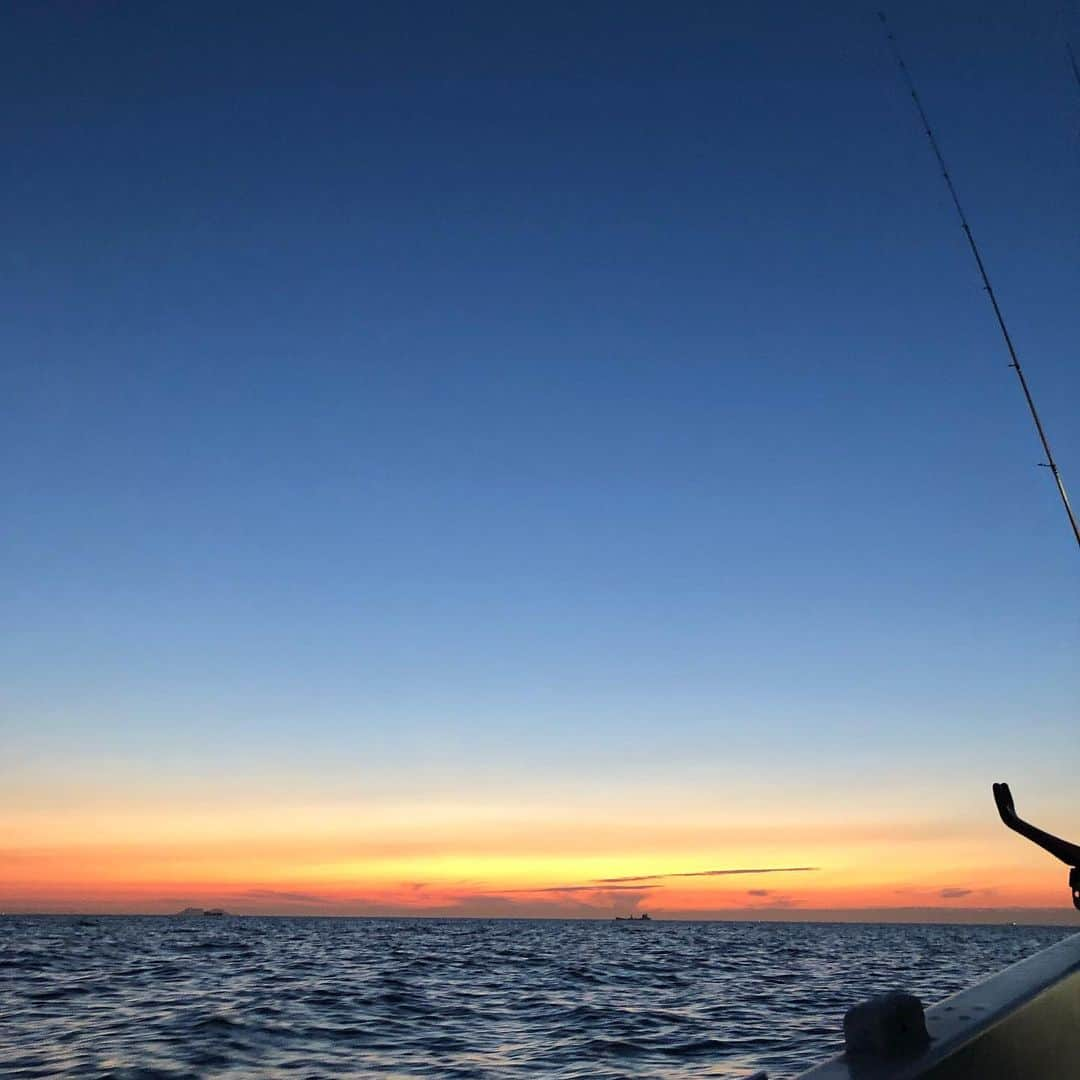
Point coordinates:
pixel 145 997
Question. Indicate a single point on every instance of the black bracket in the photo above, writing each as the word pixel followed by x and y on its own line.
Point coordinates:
pixel 1060 849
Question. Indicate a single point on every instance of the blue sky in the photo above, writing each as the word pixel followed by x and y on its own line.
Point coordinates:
pixel 536 400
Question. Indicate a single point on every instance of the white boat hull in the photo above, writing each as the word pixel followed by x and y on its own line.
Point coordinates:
pixel 1021 1024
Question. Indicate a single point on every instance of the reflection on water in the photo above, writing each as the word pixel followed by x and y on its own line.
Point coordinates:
pixel 254 997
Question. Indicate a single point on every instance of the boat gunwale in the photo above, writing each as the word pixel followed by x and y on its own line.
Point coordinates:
pixel 964 1017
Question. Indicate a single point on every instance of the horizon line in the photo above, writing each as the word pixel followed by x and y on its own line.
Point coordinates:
pixel 1063 916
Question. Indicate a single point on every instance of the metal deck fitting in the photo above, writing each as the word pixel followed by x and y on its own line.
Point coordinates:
pixel 1021 1024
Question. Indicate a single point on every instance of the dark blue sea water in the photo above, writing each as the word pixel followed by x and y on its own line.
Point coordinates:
pixel 252 997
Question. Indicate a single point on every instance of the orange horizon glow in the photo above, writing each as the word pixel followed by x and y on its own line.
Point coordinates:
pixel 506 862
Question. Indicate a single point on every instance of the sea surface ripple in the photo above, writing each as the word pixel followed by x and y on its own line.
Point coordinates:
pixel 141 997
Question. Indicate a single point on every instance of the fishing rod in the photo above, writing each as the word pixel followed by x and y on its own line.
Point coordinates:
pixel 1072 64
pixel 1050 463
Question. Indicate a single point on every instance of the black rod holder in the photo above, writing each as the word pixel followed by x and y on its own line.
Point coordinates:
pixel 1060 849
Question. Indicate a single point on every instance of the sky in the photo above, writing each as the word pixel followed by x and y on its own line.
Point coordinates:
pixel 513 459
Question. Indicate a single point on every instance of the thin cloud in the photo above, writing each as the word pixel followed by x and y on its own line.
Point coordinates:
pixel 954 894
pixel 710 873
pixel 781 902
pixel 758 892
pixel 276 894
pixel 600 887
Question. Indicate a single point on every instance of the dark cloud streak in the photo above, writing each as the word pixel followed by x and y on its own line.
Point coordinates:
pixel 583 888
pixel 710 873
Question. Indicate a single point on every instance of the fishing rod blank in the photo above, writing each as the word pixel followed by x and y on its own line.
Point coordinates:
pixel 1015 364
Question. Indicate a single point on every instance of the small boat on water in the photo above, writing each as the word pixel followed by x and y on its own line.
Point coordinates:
pixel 643 917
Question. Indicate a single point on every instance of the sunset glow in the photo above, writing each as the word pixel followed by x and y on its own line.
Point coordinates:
pixel 506 861
pixel 447 472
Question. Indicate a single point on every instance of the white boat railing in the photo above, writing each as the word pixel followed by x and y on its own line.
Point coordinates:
pixel 1021 1024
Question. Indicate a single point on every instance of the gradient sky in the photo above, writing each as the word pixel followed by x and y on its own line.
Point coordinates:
pixel 454 455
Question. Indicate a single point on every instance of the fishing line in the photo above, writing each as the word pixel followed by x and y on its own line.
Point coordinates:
pixel 1015 360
